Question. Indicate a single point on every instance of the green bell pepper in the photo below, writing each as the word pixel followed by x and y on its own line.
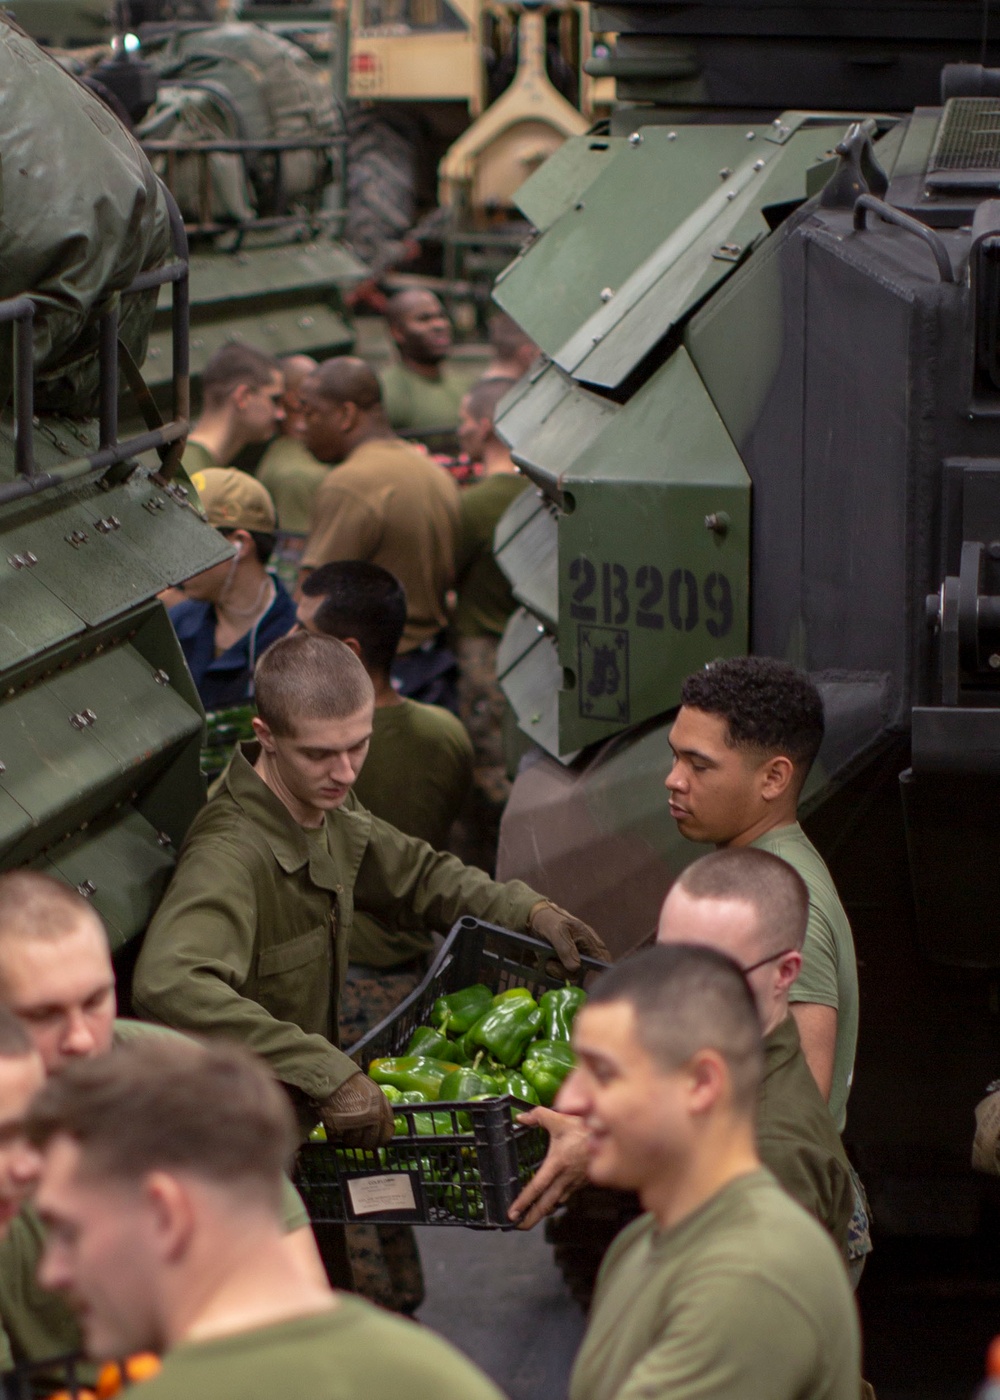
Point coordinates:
pixel 507 1028
pixel 546 1065
pixel 560 1007
pixel 425 1124
pixel 411 1072
pixel 432 1044
pixel 466 1083
pixel 459 1010
pixel 514 1083
pixel 513 994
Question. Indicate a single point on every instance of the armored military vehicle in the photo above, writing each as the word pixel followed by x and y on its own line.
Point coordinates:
pixel 100 725
pixel 769 421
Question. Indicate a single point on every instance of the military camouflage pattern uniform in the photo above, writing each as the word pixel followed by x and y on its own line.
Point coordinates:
pixel 384 1258
pixel 484 603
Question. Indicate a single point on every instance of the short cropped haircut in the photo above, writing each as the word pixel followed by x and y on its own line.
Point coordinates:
pixel 485 395
pixel 687 999
pixel 33 905
pixel 346 379
pixel 209 1110
pixel 15 1042
pixel 363 601
pixel 308 677
pixel 776 892
pixel 263 543
pixel 769 706
pixel 235 364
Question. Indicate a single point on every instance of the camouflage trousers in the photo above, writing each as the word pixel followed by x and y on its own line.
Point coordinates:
pixel 859 1234
pixel 481 707
pixel 384 1258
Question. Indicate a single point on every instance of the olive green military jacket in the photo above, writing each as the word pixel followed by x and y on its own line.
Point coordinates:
pixel 251 939
pixel 797 1138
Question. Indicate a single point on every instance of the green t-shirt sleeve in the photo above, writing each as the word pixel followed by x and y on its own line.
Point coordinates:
pixel 6 1355
pixel 818 981
pixel 728 1339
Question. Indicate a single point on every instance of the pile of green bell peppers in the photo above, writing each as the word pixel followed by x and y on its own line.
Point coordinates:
pixel 479 1045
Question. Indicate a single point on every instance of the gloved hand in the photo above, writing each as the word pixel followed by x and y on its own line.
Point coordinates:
pixel 358 1114
pixel 566 934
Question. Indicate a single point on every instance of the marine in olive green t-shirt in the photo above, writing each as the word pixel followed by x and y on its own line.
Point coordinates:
pixel 36 1324
pixel 292 476
pixel 829 975
pixel 485 600
pixel 416 404
pixel 352 1352
pixel 196 458
pixel 745 1299
pixel 416 776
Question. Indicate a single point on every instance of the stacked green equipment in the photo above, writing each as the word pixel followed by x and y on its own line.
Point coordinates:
pixel 100 725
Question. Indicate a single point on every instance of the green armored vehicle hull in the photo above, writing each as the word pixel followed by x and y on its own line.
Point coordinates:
pixel 100 725
pixel 769 421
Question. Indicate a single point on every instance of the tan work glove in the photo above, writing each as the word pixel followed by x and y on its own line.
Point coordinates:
pixel 358 1114
pixel 567 934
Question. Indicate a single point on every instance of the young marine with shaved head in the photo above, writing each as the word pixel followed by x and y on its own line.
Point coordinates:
pixel 242 390
pixel 725 1289
pixel 753 907
pixel 385 502
pixel 57 981
pixel 252 937
pixel 161 1190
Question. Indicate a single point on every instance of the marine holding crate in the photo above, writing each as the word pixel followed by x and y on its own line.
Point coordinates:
pixel 251 939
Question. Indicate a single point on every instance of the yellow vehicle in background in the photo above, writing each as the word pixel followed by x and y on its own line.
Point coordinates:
pixel 453 104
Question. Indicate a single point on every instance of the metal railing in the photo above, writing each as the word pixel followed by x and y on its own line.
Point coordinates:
pixel 314 219
pixel 21 312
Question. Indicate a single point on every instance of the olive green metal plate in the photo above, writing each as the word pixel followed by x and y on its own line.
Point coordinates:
pixel 124 865
pixel 76 742
pixel 528 670
pixel 645 592
pixel 659 228
pixel 570 170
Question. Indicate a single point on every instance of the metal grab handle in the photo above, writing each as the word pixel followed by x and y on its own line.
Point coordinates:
pixel 934 241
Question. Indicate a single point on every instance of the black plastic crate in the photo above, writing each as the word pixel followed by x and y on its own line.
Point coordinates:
pixel 471 1172
pixel 70 1375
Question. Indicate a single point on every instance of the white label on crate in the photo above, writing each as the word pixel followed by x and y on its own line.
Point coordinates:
pixel 374 1193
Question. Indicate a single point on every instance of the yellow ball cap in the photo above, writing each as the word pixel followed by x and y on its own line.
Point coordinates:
pixel 232 500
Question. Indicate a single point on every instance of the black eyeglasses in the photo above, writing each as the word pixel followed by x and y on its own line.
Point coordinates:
pixel 764 961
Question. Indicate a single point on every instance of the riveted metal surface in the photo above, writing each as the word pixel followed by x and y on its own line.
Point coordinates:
pixel 127 865
pixel 621 565
pixel 569 171
pixel 711 188
pixel 137 716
